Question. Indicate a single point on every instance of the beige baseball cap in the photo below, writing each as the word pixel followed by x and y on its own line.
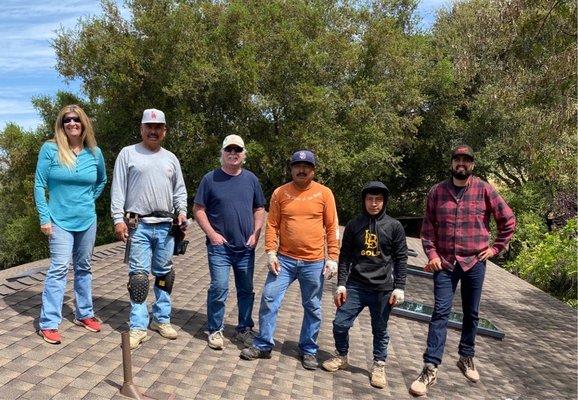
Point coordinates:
pixel 233 140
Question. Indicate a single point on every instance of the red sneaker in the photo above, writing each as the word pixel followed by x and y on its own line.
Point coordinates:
pixel 50 335
pixel 92 324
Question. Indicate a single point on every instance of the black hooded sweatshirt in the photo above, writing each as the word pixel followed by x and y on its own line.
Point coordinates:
pixel 373 250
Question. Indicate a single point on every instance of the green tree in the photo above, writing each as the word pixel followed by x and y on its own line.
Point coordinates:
pixel 342 79
pixel 20 237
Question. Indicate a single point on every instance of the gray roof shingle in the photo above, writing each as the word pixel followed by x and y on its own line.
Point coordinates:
pixel 537 358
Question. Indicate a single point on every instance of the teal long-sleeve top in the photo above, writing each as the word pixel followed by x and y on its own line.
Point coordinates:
pixel 71 192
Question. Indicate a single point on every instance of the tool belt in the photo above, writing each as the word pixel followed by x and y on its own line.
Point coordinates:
pixel 132 220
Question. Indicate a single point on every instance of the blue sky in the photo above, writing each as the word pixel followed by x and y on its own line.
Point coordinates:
pixel 27 65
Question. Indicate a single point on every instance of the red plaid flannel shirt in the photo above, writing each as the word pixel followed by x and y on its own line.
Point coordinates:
pixel 455 229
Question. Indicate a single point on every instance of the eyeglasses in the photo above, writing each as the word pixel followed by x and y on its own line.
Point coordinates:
pixel 237 149
pixel 69 119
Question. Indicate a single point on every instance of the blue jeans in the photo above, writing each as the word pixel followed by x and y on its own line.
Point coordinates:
pixel 357 299
pixel 445 283
pixel 310 277
pixel 151 252
pixel 66 247
pixel 221 259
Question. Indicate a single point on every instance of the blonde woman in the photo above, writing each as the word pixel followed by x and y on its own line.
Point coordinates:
pixel 71 171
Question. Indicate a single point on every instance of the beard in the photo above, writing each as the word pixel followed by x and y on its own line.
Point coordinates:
pixel 461 175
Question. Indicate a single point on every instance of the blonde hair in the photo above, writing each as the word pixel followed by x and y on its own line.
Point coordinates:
pixel 65 154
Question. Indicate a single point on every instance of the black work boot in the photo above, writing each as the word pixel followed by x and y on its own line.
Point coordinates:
pixel 253 353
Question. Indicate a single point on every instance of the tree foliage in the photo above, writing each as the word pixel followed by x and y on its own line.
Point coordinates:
pixel 339 79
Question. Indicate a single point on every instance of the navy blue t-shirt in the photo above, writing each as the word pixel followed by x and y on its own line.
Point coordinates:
pixel 229 202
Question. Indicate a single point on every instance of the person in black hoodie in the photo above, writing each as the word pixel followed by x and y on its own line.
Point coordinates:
pixel 371 273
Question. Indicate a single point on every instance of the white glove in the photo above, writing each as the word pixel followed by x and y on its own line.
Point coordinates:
pixel 340 296
pixel 273 262
pixel 330 269
pixel 397 297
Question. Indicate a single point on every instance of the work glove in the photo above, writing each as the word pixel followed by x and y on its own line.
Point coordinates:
pixel 396 298
pixel 340 296
pixel 330 269
pixel 273 263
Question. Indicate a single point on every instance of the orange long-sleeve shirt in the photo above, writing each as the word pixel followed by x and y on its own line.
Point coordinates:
pixel 301 222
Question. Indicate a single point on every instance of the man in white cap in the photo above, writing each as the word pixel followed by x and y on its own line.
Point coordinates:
pixel 148 191
pixel 229 208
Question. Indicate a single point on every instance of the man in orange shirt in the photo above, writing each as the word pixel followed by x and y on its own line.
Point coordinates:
pixel 302 227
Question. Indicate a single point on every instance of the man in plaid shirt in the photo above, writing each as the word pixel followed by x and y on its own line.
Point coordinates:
pixel 455 237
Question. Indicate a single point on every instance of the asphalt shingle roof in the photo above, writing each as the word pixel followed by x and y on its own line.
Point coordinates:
pixel 536 359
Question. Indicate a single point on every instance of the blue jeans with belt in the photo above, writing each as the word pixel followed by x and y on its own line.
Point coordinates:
pixel 358 298
pixel 68 247
pixel 445 283
pixel 221 259
pixel 310 277
pixel 151 252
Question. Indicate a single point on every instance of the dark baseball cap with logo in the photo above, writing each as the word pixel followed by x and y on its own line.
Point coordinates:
pixel 303 156
pixel 463 150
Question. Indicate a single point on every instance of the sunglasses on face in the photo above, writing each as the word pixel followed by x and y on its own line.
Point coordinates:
pixel 237 149
pixel 70 119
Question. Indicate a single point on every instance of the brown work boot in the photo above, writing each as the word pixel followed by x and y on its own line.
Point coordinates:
pixel 426 379
pixel 334 363
pixel 377 375
pixel 466 365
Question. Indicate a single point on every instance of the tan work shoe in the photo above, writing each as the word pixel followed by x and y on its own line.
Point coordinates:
pixel 426 379
pixel 137 336
pixel 165 330
pixel 334 363
pixel 466 365
pixel 377 378
pixel 215 340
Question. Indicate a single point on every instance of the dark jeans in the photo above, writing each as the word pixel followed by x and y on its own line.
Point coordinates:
pixel 357 299
pixel 445 283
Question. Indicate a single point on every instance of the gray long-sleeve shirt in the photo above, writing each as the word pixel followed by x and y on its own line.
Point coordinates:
pixel 145 181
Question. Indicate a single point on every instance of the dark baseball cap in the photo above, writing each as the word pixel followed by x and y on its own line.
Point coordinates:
pixel 463 150
pixel 305 156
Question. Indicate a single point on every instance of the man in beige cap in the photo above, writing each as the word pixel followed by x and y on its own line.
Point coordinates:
pixel 229 208
pixel 147 191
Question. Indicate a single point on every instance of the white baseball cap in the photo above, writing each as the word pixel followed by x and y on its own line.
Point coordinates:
pixel 153 116
pixel 235 140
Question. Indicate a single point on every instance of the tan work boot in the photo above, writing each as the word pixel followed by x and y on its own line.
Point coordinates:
pixel 165 330
pixel 215 340
pixel 377 376
pixel 466 365
pixel 426 379
pixel 334 363
pixel 137 336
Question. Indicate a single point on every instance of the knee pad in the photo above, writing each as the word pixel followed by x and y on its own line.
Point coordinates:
pixel 165 282
pixel 138 287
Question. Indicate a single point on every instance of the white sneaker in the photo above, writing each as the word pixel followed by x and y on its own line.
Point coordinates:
pixel 215 340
